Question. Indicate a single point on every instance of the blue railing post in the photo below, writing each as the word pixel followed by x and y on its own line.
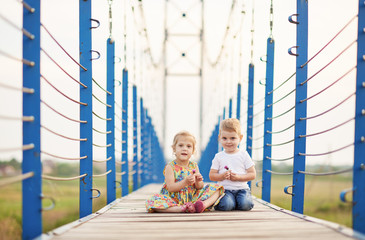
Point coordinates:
pixel 86 147
pixel 161 162
pixel 300 108
pixel 110 125
pixel 250 108
pixel 230 108
pixel 32 187
pixel 141 119
pixel 154 160
pixel 149 150
pixel 146 149
pixel 269 85
pixel 238 106
pixel 135 140
pixel 251 71
pixel 358 210
pixel 125 165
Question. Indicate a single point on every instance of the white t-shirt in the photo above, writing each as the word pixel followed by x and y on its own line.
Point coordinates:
pixel 238 162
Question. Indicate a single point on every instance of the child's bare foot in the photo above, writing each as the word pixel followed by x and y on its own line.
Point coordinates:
pixel 199 206
pixel 188 207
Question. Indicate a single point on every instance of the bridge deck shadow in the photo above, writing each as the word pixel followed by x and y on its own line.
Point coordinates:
pixel 126 218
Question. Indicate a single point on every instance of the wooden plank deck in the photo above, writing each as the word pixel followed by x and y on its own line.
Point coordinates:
pixel 127 218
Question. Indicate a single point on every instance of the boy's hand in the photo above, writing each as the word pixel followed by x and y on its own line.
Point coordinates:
pixel 190 180
pixel 235 177
pixel 227 175
pixel 198 177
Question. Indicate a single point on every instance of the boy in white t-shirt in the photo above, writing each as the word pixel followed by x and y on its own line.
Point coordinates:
pixel 233 168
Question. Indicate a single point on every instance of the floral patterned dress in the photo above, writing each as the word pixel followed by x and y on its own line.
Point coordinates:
pixel 166 199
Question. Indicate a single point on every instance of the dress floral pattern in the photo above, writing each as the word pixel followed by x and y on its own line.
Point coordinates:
pixel 166 199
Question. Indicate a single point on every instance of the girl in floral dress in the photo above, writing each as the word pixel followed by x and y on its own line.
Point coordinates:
pixel 184 190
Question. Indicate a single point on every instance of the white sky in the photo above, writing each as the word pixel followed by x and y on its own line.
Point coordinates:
pixel 326 18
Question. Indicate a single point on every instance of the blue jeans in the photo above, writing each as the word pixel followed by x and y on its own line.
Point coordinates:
pixel 235 200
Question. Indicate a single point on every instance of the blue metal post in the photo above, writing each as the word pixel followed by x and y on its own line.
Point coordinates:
pixel 149 150
pixel 161 164
pixel 143 146
pixel 230 108
pixel 86 147
pixel 238 107
pixel 251 71
pixel 32 187
pixel 125 165
pixel 250 108
pixel 266 176
pixel 300 108
pixel 110 125
pixel 135 140
pixel 358 210
pixel 154 160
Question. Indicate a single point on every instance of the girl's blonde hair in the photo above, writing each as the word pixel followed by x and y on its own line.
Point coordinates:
pixel 230 125
pixel 183 134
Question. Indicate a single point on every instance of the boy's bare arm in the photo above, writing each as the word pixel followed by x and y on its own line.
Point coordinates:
pixel 215 176
pixel 250 175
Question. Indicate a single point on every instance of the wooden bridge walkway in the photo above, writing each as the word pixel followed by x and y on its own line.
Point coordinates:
pixel 126 218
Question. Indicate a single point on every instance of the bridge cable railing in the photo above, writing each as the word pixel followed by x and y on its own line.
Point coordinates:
pixel 298 128
pixel 147 156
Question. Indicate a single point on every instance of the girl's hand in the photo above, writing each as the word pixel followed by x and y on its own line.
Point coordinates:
pixel 198 177
pixel 190 180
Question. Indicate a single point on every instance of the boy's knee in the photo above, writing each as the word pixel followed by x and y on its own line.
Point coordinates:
pixel 226 204
pixel 245 206
pixel 224 207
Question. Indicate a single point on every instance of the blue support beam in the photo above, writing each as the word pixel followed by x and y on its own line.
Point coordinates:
pixel 125 168
pixel 142 127
pixel 135 140
pixel 238 106
pixel 358 209
pixel 32 187
pixel 110 125
pixel 86 147
pixel 230 108
pixel 251 71
pixel 300 107
pixel 146 172
pixel 269 84
pixel 149 150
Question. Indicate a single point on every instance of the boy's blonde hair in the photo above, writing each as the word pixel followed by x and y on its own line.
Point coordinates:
pixel 230 125
pixel 183 134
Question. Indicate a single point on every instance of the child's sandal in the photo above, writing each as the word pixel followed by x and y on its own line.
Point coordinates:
pixel 199 206
pixel 188 208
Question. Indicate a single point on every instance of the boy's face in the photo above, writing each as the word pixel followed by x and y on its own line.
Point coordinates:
pixel 230 141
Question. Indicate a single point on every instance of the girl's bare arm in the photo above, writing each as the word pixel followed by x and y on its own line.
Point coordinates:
pixel 173 186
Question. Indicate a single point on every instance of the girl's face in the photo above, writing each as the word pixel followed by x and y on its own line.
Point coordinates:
pixel 184 148
pixel 230 141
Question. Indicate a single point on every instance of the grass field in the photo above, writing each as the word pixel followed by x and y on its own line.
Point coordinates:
pixel 321 201
pixel 65 194
pixel 322 196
